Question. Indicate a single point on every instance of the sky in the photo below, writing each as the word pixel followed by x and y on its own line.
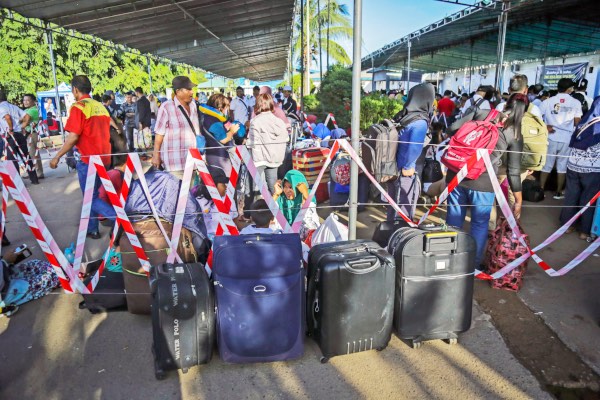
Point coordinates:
pixel 385 21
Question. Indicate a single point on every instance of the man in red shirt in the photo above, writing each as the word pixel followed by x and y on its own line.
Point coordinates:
pixel 89 129
pixel 446 105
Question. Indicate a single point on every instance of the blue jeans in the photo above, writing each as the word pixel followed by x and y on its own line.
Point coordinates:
pixel 481 206
pixel 99 206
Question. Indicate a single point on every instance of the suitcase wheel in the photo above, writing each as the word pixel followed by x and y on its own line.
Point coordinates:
pixel 324 360
pixel 452 341
pixel 416 345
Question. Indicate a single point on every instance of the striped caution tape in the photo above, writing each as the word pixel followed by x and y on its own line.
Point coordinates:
pixel 12 182
pixel 3 215
pixel 331 117
pixel 348 148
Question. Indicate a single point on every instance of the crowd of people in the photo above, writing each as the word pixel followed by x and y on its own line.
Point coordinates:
pixel 214 124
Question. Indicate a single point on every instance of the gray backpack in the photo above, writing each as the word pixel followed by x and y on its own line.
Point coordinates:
pixel 380 144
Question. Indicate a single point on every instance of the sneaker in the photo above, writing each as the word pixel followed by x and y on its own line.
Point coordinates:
pixel 558 196
pixel 94 235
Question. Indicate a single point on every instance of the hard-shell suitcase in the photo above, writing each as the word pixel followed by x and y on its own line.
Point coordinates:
pixel 259 291
pixel 384 231
pixel 183 317
pixel 434 283
pixel 109 293
pixel 156 248
pixel 350 298
pixel 309 161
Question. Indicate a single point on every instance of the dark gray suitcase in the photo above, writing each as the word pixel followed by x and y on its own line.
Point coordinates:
pixel 183 317
pixel 434 283
pixel 350 299
pixel 109 294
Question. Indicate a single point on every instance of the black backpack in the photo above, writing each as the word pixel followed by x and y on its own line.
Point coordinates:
pixel 532 191
pixel 585 107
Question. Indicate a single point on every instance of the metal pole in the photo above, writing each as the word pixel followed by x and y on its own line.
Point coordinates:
pixel 149 72
pixel 328 24
pixel 408 69
pixel 56 95
pixel 356 69
pixel 503 20
pixel 319 22
pixel 372 75
pixel 308 52
pixel 302 55
pixel 471 66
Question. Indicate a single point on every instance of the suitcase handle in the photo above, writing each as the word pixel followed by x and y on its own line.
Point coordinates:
pixel 363 265
pixel 442 242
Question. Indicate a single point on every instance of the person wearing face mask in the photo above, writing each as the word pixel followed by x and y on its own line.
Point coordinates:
pixel 176 128
pixel 219 139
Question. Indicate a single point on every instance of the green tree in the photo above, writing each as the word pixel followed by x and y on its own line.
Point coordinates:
pixel 340 28
pixel 335 93
pixel 25 63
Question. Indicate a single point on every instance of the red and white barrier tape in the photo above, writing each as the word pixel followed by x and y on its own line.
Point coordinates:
pixel 12 182
pixel 331 117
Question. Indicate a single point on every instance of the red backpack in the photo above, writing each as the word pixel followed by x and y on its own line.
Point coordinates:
pixel 472 136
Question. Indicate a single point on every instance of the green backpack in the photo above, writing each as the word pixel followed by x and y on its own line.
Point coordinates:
pixel 535 141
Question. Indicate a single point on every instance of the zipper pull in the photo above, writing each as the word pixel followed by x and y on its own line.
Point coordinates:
pixel 317 305
pixel 217 283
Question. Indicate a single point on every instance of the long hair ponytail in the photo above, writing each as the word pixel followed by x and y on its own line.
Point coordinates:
pixel 515 108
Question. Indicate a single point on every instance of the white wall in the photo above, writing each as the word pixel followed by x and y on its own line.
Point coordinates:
pixel 453 81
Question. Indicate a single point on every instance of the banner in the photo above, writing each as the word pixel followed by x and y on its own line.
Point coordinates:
pixel 551 74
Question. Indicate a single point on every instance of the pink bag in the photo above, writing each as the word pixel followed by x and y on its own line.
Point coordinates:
pixel 503 247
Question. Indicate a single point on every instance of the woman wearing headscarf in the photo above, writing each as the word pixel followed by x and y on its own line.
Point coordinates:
pixel 290 194
pixel 583 171
pixel 414 122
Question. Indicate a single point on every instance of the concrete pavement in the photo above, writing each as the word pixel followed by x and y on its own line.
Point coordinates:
pixel 52 350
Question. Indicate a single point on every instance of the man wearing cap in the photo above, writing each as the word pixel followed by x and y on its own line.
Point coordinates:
pixel 127 114
pixel 481 99
pixel 561 114
pixel 176 127
pixel 240 109
pixel 289 104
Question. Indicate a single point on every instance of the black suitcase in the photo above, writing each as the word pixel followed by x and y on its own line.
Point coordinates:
pixel 384 230
pixel 434 283
pixel 183 317
pixel 109 294
pixel 350 299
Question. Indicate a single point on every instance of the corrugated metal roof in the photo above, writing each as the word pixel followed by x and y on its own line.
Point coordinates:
pixel 536 29
pixel 233 38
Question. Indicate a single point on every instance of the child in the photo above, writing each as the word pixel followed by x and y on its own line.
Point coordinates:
pixel 261 218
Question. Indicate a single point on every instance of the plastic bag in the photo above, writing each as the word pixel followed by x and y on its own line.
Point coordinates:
pixel 332 230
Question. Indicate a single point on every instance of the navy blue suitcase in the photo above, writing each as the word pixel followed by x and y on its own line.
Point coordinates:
pixel 259 290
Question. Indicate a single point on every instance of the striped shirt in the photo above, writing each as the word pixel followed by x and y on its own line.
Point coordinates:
pixel 178 135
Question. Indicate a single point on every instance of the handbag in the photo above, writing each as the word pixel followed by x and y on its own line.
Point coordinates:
pixel 432 170
pixel 200 140
pixel 142 139
pixel 502 249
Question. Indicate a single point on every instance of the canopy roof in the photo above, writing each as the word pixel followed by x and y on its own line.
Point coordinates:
pixel 536 29
pixel 233 38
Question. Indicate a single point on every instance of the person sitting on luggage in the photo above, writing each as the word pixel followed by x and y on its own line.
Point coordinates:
pixel 262 219
pixel 290 194
pixel 209 209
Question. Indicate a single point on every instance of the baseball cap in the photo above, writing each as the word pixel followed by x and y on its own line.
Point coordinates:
pixel 287 88
pixel 182 82
pixel 109 92
pixel 564 84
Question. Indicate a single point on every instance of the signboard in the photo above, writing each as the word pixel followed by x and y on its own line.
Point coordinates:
pixel 551 74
